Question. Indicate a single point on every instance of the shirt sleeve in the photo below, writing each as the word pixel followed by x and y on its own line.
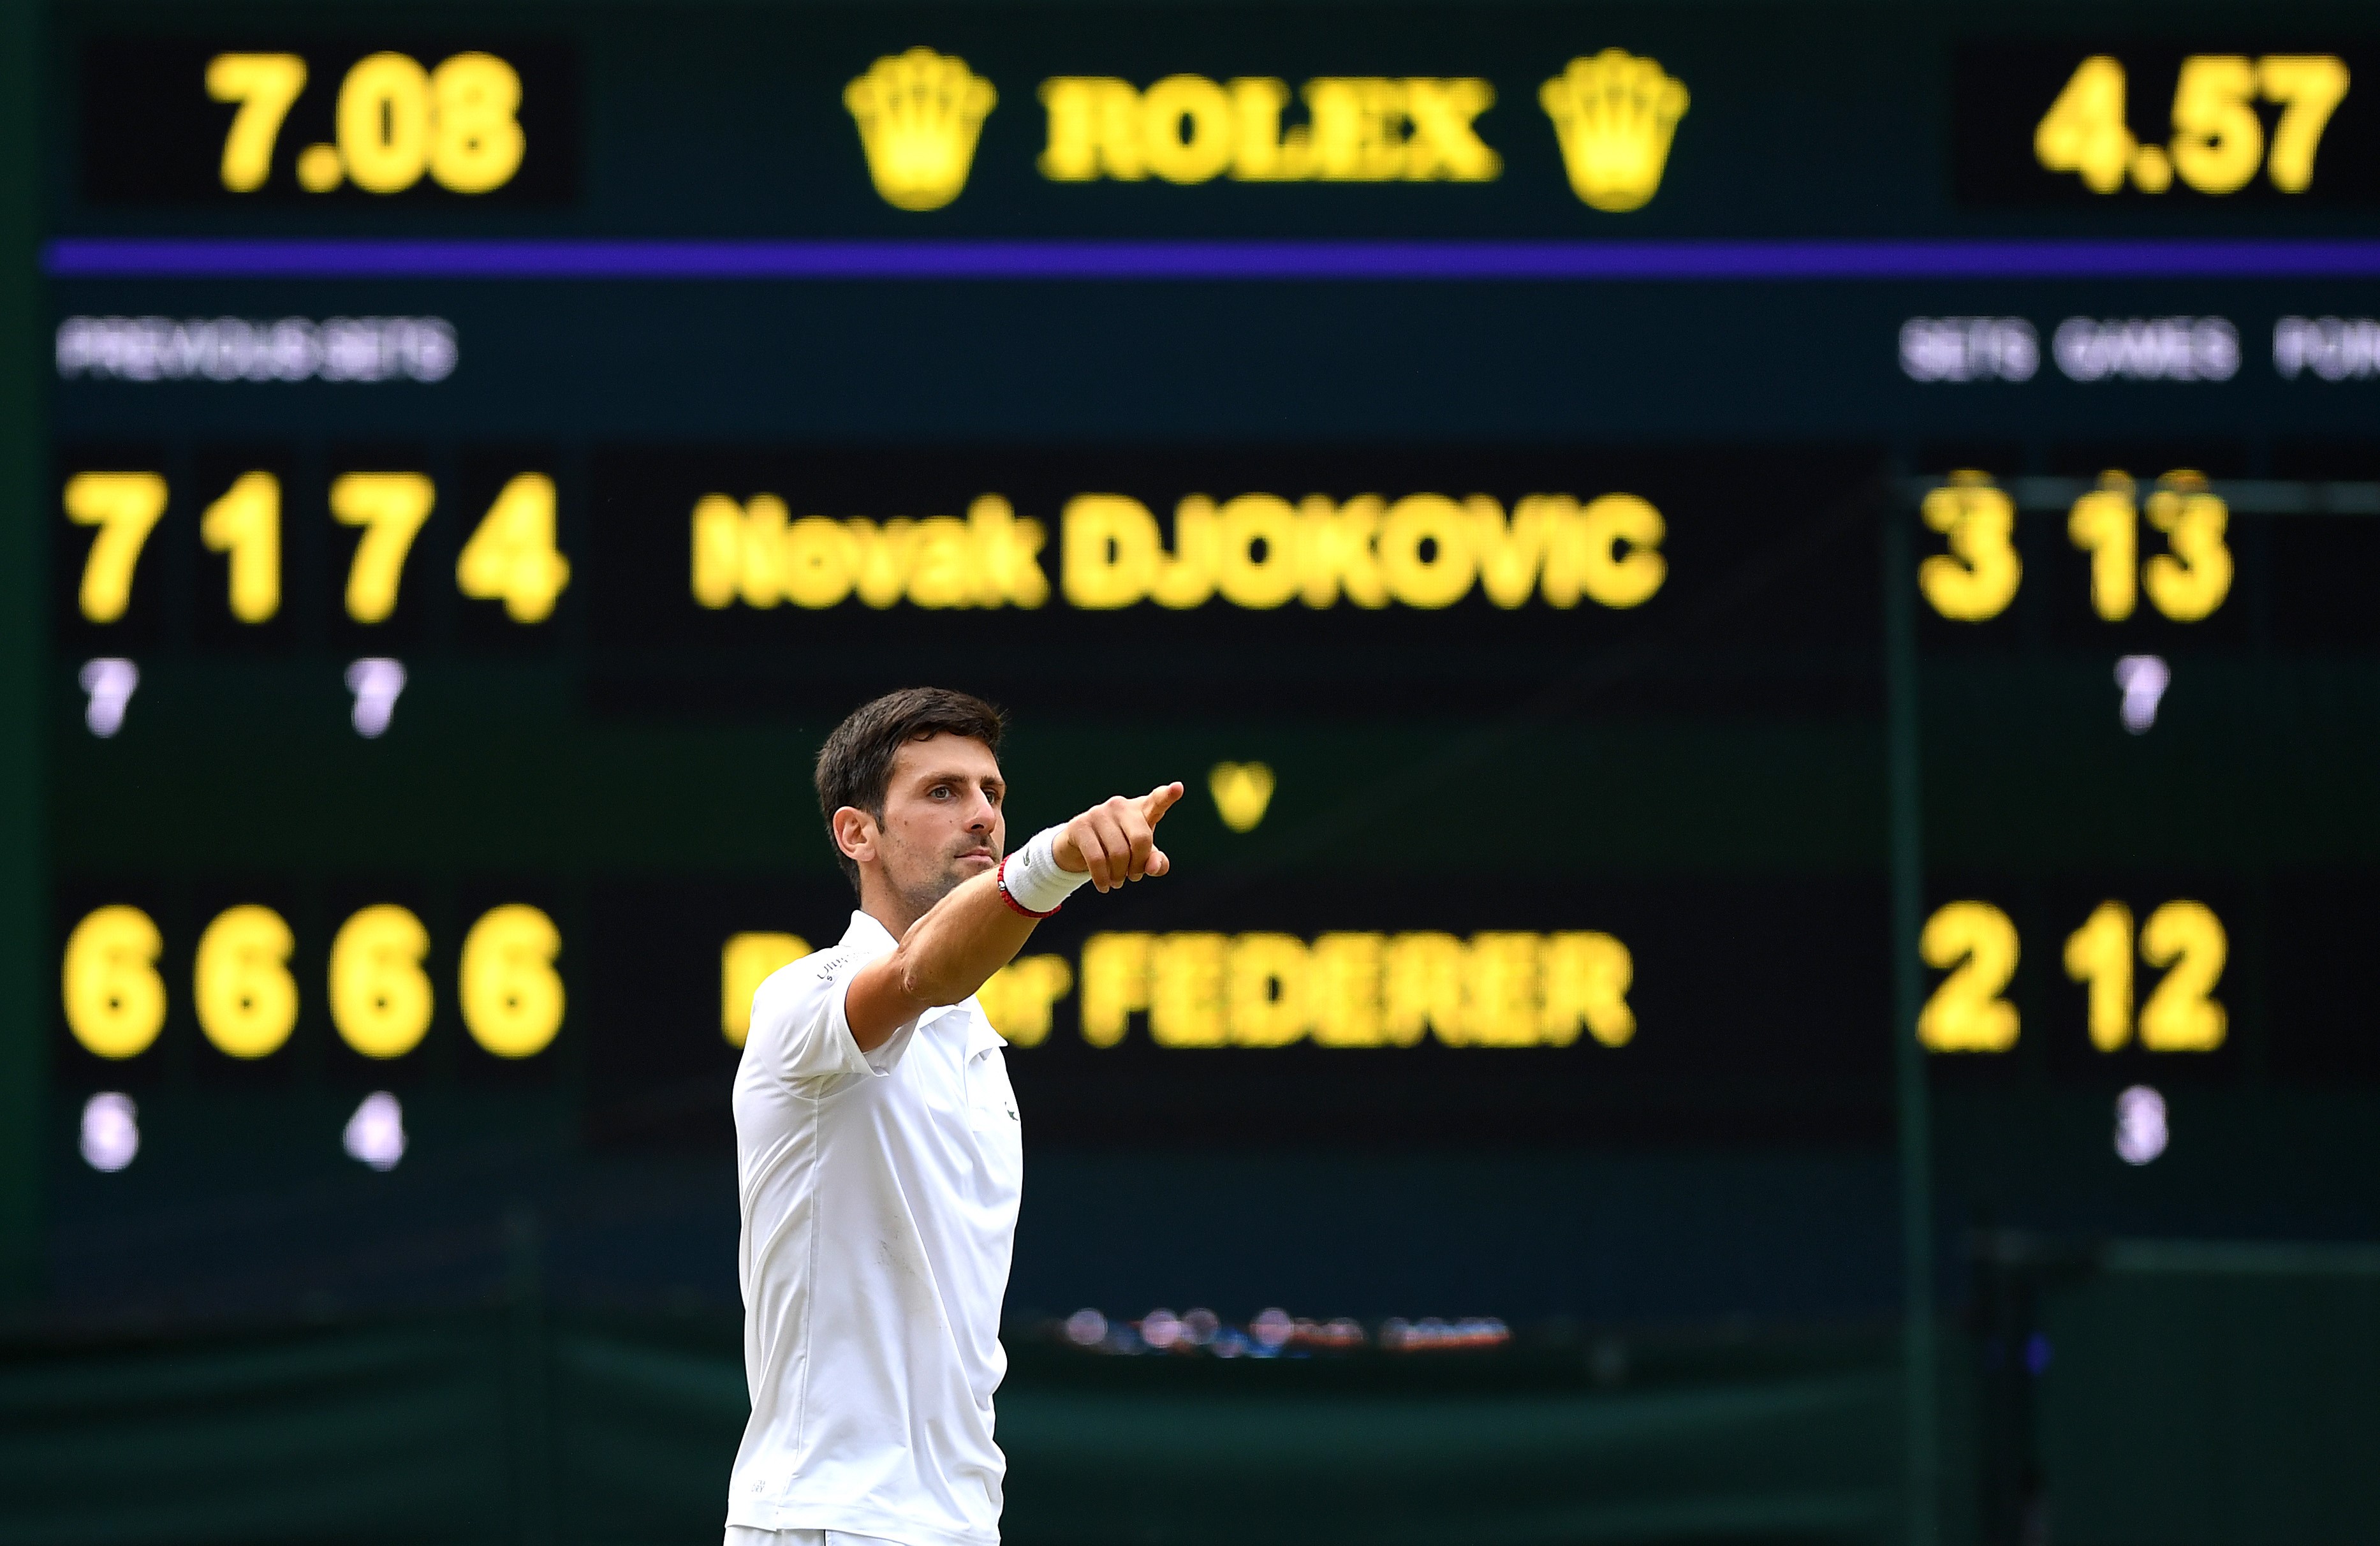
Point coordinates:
pixel 800 1028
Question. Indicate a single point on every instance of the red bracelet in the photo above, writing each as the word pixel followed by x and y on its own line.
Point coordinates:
pixel 1000 878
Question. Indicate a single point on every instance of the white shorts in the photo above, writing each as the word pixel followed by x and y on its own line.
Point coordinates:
pixel 745 1535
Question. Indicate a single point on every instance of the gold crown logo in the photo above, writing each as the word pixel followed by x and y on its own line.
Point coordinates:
pixel 1614 115
pixel 918 114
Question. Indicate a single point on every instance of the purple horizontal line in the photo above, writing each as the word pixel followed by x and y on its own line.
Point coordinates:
pixel 278 258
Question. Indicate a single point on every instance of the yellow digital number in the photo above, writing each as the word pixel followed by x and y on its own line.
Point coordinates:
pixel 2084 131
pixel 1978 578
pixel 381 999
pixel 383 123
pixel 2187 939
pixel 745 962
pixel 246 999
pixel 459 122
pixel 246 523
pixel 511 556
pixel 2218 140
pixel 125 507
pixel 478 143
pixel 115 1000
pixel 2100 954
pixel 390 506
pixel 2180 1016
pixel 1977 945
pixel 511 995
pixel 2190 581
pixel 2186 584
pixel 2312 86
pixel 2106 523
pixel 265 85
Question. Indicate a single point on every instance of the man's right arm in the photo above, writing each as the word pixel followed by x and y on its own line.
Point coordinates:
pixel 973 931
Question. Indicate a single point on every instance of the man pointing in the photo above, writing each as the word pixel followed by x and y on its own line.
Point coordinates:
pixel 878 1145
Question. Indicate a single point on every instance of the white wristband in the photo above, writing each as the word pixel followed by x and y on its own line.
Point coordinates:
pixel 1033 876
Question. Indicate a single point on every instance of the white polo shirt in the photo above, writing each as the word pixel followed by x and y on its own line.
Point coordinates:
pixel 880 1195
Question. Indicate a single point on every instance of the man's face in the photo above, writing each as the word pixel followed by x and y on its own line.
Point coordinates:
pixel 943 818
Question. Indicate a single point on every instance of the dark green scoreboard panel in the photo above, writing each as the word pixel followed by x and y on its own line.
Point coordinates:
pixel 1499 460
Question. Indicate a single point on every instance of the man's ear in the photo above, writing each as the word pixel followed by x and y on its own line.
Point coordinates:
pixel 856 834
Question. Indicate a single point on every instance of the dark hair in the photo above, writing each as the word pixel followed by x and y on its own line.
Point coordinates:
pixel 855 766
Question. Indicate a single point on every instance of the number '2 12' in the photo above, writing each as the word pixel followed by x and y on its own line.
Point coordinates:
pixel 1977 945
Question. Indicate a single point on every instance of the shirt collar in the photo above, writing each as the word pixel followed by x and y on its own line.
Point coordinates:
pixel 866 934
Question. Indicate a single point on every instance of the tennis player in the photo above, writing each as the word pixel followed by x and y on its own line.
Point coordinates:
pixel 877 1143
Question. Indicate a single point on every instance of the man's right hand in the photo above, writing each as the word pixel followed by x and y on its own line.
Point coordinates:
pixel 1116 840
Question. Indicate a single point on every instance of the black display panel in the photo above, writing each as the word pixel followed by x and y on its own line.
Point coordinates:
pixel 1539 481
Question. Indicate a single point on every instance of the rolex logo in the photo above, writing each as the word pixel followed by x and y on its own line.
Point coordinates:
pixel 1614 115
pixel 918 114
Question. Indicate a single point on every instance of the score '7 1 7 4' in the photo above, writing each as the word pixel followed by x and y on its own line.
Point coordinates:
pixel 511 556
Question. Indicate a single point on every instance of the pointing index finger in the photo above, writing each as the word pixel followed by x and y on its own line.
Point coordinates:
pixel 1160 800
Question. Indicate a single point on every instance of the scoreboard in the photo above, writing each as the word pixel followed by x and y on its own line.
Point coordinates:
pixel 1751 602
